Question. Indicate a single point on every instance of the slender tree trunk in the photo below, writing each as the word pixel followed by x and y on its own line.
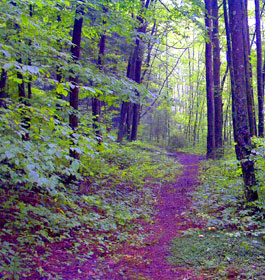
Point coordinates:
pixel 136 106
pixel 191 97
pixel 59 76
pixel 22 98
pixel 139 51
pixel 74 89
pixel 218 103
pixel 129 121
pixel 197 103
pixel 30 43
pixel 248 69
pixel 229 59
pixel 259 70
pixel 211 152
pixel 125 115
pixel 21 84
pixel 3 93
pixel 149 50
pixel 96 103
pixel 242 131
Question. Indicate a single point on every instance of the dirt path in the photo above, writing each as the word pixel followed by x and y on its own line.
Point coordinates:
pixel 150 261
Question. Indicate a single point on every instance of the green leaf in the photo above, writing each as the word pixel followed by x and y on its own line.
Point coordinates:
pixel 75 165
pixel 8 66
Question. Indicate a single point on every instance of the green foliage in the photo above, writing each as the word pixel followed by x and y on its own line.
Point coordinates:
pixel 258 155
pixel 177 141
pixel 220 198
pixel 44 160
pixel 233 232
pixel 220 253
pixel 38 207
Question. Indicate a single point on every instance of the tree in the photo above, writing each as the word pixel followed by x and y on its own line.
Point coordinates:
pixel 248 70
pixel 211 149
pixel 259 71
pixel 74 88
pixel 131 112
pixel 241 125
pixel 96 103
pixel 229 59
pixel 3 93
pixel 218 104
pixel 138 55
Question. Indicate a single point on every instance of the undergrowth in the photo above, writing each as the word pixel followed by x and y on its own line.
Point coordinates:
pixel 91 216
pixel 231 243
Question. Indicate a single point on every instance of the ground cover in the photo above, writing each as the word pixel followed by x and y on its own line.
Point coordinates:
pixel 231 245
pixel 59 234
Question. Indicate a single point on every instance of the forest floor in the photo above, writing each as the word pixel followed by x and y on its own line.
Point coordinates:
pixel 173 200
pixel 148 261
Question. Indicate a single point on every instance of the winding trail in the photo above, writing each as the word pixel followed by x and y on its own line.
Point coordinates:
pixel 150 261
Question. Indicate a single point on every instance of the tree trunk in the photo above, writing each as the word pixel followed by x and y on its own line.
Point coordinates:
pixel 259 70
pixel 242 131
pixel 58 67
pixel 30 43
pixel 229 59
pixel 74 89
pixel 139 51
pixel 96 103
pixel 248 69
pixel 211 152
pixel 218 103
pixel 3 93
pixel 126 106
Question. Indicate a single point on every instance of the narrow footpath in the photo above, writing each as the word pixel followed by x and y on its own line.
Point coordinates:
pixel 150 261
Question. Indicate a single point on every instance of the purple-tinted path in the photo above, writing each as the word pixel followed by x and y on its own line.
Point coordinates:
pixel 148 262
pixel 172 202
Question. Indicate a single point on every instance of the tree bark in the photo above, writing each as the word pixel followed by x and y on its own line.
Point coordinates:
pixel 259 71
pixel 74 89
pixel 30 43
pixel 211 152
pixel 3 93
pixel 96 103
pixel 139 51
pixel 59 76
pixel 248 69
pixel 218 103
pixel 242 130
pixel 229 59
pixel 125 114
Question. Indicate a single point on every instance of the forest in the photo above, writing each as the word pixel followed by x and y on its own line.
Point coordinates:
pixel 132 139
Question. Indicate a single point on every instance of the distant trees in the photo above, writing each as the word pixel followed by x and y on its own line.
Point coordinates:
pixel 134 72
pixel 135 79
